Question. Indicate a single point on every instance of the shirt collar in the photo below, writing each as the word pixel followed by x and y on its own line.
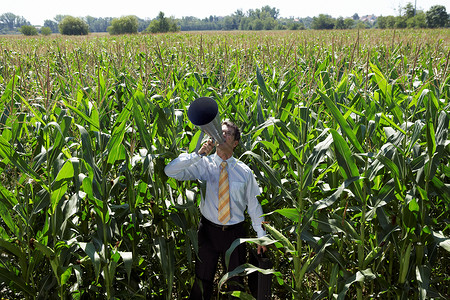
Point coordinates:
pixel 229 161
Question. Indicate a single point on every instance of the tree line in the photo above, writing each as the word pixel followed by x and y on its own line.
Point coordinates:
pixel 265 18
pixel 409 17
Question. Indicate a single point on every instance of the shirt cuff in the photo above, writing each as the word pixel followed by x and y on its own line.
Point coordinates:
pixel 260 232
pixel 195 157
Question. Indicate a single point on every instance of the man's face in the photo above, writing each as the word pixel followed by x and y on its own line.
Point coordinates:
pixel 228 135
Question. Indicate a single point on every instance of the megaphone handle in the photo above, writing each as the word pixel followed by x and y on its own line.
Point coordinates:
pixel 199 143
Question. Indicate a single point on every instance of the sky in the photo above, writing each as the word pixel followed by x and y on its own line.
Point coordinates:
pixel 36 11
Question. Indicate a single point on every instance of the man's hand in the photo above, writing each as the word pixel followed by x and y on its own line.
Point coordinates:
pixel 261 249
pixel 206 148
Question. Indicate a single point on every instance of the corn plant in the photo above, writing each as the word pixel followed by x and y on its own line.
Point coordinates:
pixel 346 132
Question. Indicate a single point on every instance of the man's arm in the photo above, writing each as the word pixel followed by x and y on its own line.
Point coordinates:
pixel 255 211
pixel 188 166
pixel 184 167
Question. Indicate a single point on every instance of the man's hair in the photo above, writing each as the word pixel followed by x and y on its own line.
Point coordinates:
pixel 237 132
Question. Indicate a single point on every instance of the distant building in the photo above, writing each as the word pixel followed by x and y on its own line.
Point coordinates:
pixel 369 18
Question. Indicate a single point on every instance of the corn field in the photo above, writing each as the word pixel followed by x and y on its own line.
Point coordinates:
pixel 346 132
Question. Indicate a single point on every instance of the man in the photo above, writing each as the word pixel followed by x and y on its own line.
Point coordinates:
pixel 221 223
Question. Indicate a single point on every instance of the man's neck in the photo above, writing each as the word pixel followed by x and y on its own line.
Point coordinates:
pixel 224 151
pixel 224 155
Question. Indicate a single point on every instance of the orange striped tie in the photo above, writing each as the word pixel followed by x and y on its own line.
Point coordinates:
pixel 224 195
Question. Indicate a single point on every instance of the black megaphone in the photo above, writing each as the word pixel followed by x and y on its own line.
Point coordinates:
pixel 204 113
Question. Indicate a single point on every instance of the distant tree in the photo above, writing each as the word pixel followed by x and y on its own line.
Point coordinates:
pixel 349 23
pixel 8 19
pixel 280 26
pixel 355 17
pixel 296 26
pixel 28 30
pixel 363 25
pixel 238 13
pixel 52 25
pixel 340 24
pixel 418 21
pixel 59 18
pixel 244 24
pixel 100 24
pixel 390 22
pixel 323 22
pixel 10 23
pixel 254 13
pixel 400 22
pixel 124 25
pixel 437 17
pixel 381 22
pixel 46 31
pixel 238 17
pixel 307 21
pixel 90 21
pixel 271 11
pixel 257 24
pixel 143 24
pixel 228 23
pixel 162 24
pixel 73 26
pixel 269 23
pixel 409 10
pixel 21 21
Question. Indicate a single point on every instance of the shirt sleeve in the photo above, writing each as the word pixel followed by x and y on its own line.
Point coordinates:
pixel 254 208
pixel 185 167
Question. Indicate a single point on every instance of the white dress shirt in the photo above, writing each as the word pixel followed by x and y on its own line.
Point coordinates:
pixel 243 187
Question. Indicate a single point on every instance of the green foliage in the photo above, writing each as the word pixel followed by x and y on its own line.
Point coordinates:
pixel 411 18
pixel 98 24
pixel 9 19
pixel 346 132
pixel 162 25
pixel 12 21
pixel 52 25
pixel 349 23
pixel 28 30
pixel 265 18
pixel 73 26
pixel 342 23
pixel 437 17
pixel 294 26
pixel 417 21
pixel 409 10
pixel 46 31
pixel 323 22
pixel 339 23
pixel 124 25
pixel 400 22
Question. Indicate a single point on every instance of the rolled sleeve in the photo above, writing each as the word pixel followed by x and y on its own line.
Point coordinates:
pixel 184 167
pixel 254 207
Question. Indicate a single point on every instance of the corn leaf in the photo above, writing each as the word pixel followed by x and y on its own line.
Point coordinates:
pixel 8 277
pixel 90 251
pixel 11 156
pixel 60 185
pixel 359 276
pixel 342 122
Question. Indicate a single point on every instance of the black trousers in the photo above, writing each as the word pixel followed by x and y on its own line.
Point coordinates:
pixel 213 242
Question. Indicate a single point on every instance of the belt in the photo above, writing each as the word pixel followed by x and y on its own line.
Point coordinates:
pixel 222 227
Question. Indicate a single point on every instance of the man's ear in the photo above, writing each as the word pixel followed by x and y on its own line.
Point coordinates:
pixel 235 143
